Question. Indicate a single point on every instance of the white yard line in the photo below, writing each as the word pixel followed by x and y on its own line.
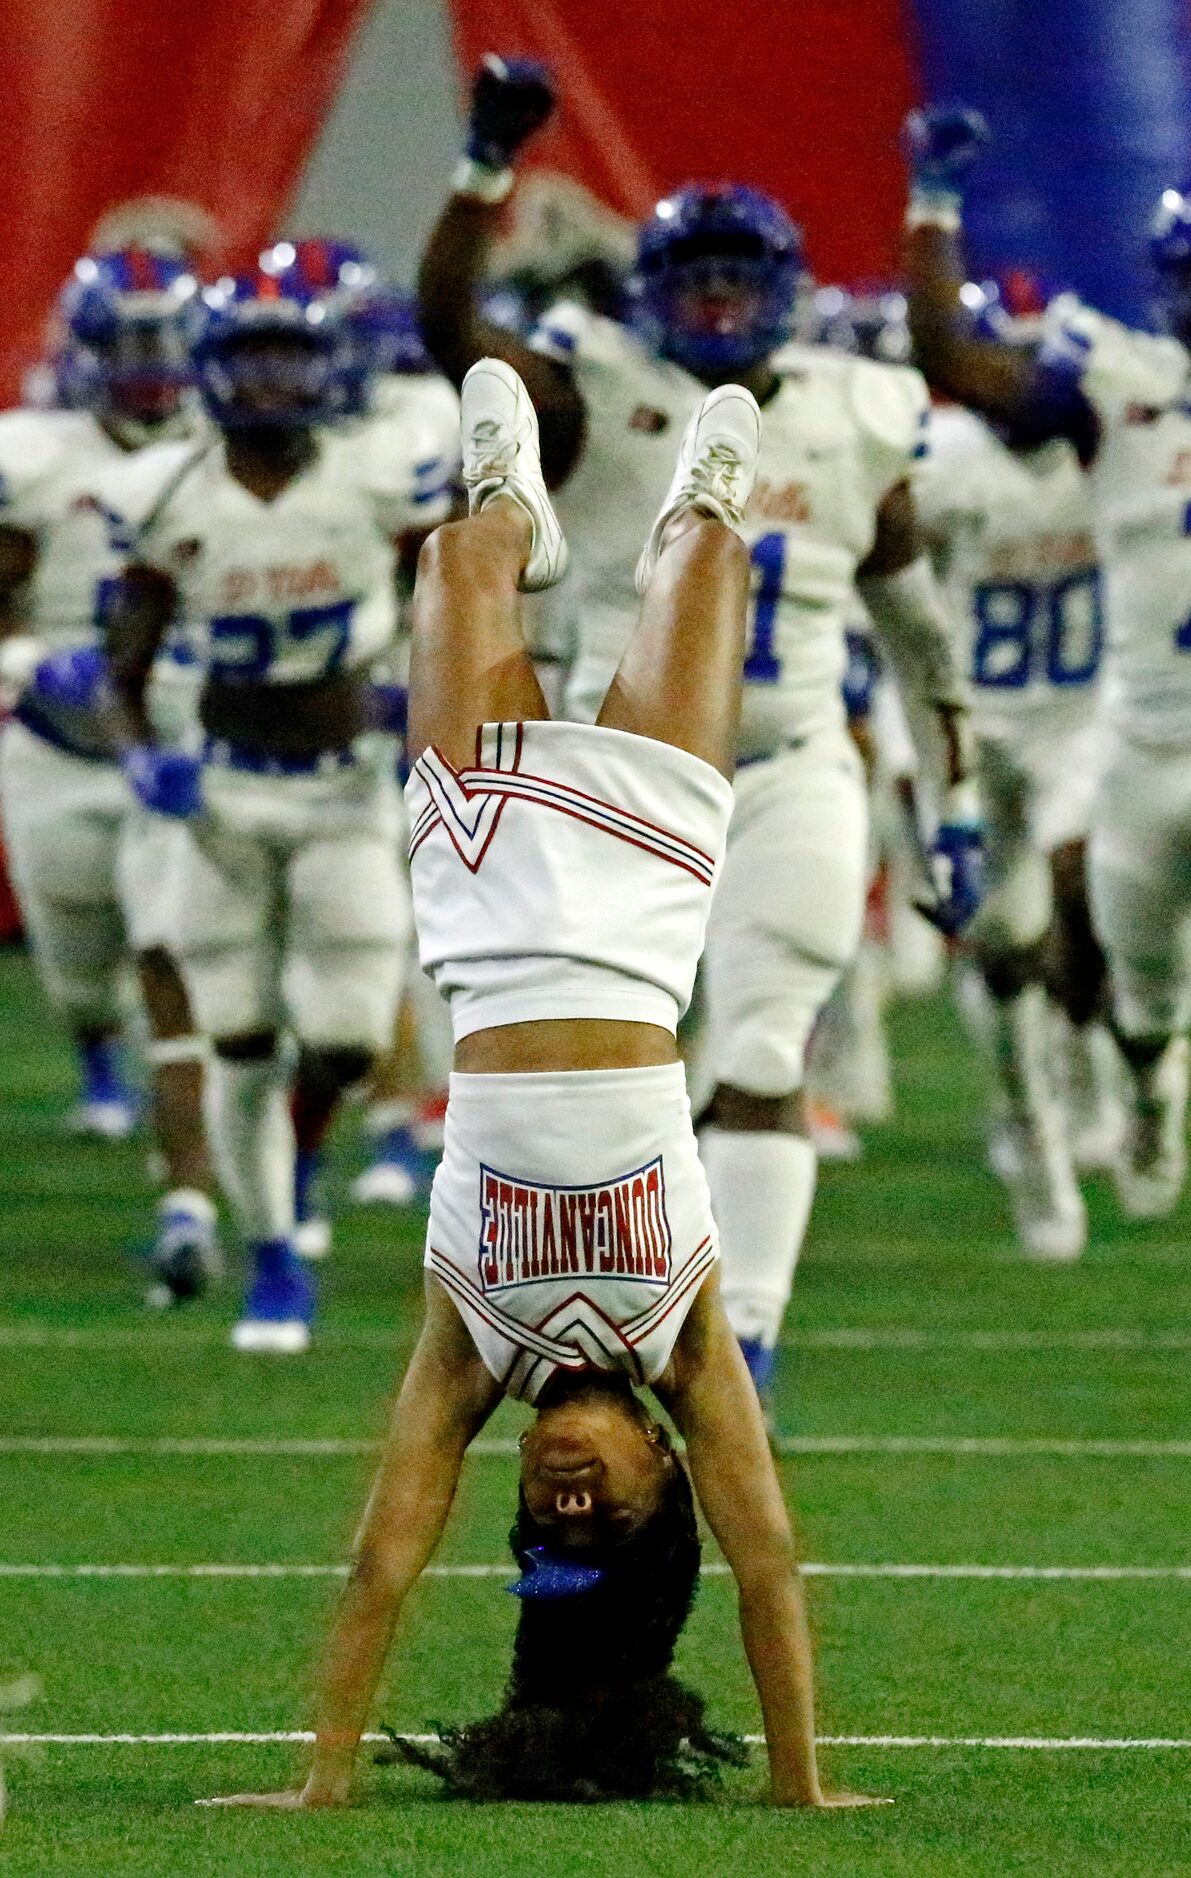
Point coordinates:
pixel 991 1447
pixel 120 1338
pixel 715 1569
pixel 282 1738
pixel 859 1337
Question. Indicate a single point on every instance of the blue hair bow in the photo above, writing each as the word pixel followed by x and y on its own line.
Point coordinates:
pixel 546 1577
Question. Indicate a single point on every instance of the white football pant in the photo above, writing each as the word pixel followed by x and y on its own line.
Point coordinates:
pixel 292 906
pixel 1140 884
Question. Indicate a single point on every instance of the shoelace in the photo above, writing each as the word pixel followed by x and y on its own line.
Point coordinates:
pixel 495 451
pixel 717 473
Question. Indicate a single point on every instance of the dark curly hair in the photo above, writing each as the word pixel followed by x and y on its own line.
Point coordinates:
pixel 591 1711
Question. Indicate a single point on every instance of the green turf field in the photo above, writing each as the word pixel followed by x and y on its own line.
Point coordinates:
pixel 943 1405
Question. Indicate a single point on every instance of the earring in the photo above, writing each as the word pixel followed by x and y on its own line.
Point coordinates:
pixel 521 1440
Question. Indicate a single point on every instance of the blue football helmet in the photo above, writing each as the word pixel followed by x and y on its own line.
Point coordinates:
pixel 123 352
pixel 320 265
pixel 1009 307
pixel 268 354
pixel 717 277
pixel 383 328
pixel 1170 251
pixel 870 322
pixel 380 330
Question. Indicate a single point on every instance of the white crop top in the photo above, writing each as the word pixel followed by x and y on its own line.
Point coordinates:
pixel 569 874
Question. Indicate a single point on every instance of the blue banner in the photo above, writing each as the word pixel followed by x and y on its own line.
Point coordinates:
pixel 1089 103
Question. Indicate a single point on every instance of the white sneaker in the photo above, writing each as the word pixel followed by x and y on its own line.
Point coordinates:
pixel 501 457
pixel 716 469
pixel 1153 1164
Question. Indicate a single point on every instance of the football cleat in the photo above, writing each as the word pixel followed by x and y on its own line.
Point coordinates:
pixel 761 1362
pixel 312 1238
pixel 108 1108
pixel 833 1139
pixel 399 1172
pixel 186 1258
pixel 1091 1091
pixel 312 1229
pixel 501 458
pixel 1029 1150
pixel 1031 1157
pixel 716 469
pixel 113 1118
pixel 1152 1167
pixel 279 1308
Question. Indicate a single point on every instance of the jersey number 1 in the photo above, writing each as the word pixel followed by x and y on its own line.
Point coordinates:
pixel 768 555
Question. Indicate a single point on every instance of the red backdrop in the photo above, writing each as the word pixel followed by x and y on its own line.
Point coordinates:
pixel 110 99
pixel 801 97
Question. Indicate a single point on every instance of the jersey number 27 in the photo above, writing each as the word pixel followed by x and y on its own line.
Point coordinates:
pixel 244 645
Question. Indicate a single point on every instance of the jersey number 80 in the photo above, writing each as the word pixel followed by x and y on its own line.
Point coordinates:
pixel 1027 633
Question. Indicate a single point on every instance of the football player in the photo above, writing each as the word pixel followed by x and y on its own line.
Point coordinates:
pixel 276 542
pixel 718 273
pixel 1011 526
pixel 385 376
pixel 1119 398
pixel 88 867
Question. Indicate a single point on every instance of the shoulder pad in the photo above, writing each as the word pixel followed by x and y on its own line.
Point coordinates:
pixel 137 489
pixel 568 333
pixel 954 433
pixel 421 395
pixel 404 459
pixel 1115 363
pixel 892 406
pixel 33 442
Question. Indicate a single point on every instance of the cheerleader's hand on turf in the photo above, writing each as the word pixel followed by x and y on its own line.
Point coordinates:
pixel 840 1800
pixel 293 1800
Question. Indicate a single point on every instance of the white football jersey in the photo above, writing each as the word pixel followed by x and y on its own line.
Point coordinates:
pixel 427 399
pixel 299 587
pixel 1140 387
pixel 836 437
pixel 1012 534
pixel 51 466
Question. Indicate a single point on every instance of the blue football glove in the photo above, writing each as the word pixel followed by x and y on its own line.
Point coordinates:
pixel 73 678
pixel 942 142
pixel 861 673
pixel 167 781
pixel 510 99
pixel 956 862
